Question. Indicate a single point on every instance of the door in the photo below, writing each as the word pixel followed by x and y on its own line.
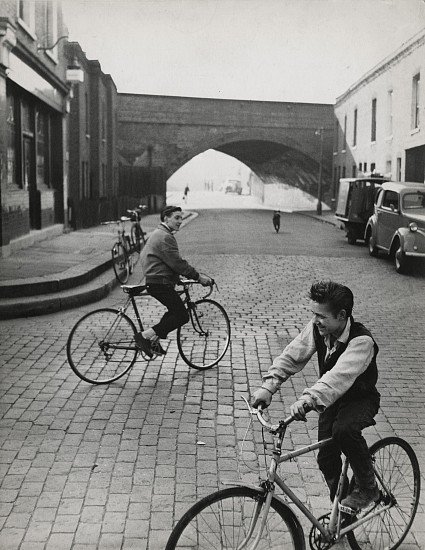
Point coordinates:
pixel 388 218
pixel 29 182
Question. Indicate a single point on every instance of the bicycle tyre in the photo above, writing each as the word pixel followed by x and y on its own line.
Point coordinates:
pixel 137 238
pixel 210 523
pixel 396 464
pixel 101 347
pixel 120 263
pixel 203 341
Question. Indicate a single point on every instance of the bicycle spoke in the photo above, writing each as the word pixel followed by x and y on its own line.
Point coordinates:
pixel 397 472
pixel 101 346
pixel 204 340
pixel 231 519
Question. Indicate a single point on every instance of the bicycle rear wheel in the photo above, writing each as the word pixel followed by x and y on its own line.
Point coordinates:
pixel 120 263
pixel 101 346
pixel 204 340
pixel 398 477
pixel 225 519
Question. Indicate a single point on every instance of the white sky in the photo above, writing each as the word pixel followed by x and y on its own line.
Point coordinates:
pixel 276 50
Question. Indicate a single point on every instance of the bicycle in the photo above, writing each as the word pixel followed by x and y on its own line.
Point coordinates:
pixel 138 236
pixel 248 516
pixel 122 251
pixel 101 347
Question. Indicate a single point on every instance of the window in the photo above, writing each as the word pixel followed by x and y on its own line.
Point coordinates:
pixel 415 101
pixel 344 147
pixel 365 167
pixel 355 128
pixel 51 33
pixel 390 200
pixel 336 136
pixel 398 174
pixel 373 128
pixel 353 171
pixel 360 166
pixel 11 140
pixel 343 172
pixel 390 113
pixel 372 167
pixel 388 168
pixel 26 14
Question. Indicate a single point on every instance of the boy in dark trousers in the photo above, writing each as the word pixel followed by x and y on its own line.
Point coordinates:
pixel 345 394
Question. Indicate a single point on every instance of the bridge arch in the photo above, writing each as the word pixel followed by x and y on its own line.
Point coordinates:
pixel 277 141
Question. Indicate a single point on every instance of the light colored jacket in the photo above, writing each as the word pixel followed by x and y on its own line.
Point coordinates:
pixel 161 260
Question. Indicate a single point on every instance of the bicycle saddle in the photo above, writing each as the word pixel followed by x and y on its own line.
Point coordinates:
pixel 133 290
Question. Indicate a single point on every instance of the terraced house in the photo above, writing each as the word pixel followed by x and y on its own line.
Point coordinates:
pixel 380 120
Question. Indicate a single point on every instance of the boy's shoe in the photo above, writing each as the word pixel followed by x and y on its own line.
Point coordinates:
pixel 157 348
pixel 361 497
pixel 143 344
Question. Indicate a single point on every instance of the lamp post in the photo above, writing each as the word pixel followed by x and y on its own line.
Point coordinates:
pixel 319 132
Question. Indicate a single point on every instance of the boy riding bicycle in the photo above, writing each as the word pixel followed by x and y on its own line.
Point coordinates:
pixel 162 265
pixel 345 395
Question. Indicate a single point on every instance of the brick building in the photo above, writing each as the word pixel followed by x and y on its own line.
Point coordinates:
pixel 93 158
pixel 33 96
pixel 380 119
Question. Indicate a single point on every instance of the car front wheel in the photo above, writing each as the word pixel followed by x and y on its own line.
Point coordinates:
pixel 373 251
pixel 401 261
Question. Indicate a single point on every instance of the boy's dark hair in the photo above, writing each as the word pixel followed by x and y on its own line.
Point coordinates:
pixel 168 210
pixel 337 296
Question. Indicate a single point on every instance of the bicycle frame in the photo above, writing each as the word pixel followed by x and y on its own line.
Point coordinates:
pixel 333 531
pixel 143 292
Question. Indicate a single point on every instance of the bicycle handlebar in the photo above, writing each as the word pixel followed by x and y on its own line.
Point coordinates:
pixel 186 282
pixel 272 428
pixel 121 220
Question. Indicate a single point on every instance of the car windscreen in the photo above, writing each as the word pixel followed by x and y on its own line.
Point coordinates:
pixel 414 200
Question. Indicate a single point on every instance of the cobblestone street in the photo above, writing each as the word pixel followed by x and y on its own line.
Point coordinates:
pixel 97 467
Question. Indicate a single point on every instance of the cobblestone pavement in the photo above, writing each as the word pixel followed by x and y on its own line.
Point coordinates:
pixel 113 467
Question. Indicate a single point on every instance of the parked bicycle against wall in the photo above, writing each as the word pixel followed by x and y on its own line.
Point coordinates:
pixel 101 347
pixel 138 236
pixel 122 251
pixel 253 516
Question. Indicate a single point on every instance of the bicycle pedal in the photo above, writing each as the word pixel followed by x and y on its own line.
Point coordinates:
pixel 347 510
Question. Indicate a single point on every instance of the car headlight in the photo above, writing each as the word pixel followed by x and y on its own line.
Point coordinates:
pixel 413 227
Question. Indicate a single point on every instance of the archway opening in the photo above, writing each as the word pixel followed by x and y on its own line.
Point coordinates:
pixel 213 179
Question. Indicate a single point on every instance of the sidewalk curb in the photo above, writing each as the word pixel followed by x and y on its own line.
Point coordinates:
pixel 51 303
pixel 86 283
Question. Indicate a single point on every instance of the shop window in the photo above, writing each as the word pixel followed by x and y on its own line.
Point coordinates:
pixel 42 148
pixel 11 140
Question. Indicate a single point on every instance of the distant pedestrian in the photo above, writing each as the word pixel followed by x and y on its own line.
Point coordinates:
pixel 276 220
pixel 186 191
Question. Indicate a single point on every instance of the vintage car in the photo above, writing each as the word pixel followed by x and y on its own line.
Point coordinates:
pixel 356 198
pixel 397 225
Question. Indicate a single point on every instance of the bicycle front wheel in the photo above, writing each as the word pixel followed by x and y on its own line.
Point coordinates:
pixel 137 238
pixel 204 340
pixel 398 477
pixel 120 263
pixel 231 519
pixel 101 346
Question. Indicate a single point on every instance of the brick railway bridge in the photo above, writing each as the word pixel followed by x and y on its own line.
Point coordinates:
pixel 278 141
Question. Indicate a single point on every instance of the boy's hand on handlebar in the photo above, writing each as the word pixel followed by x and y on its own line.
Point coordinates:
pixel 205 281
pixel 301 407
pixel 261 397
